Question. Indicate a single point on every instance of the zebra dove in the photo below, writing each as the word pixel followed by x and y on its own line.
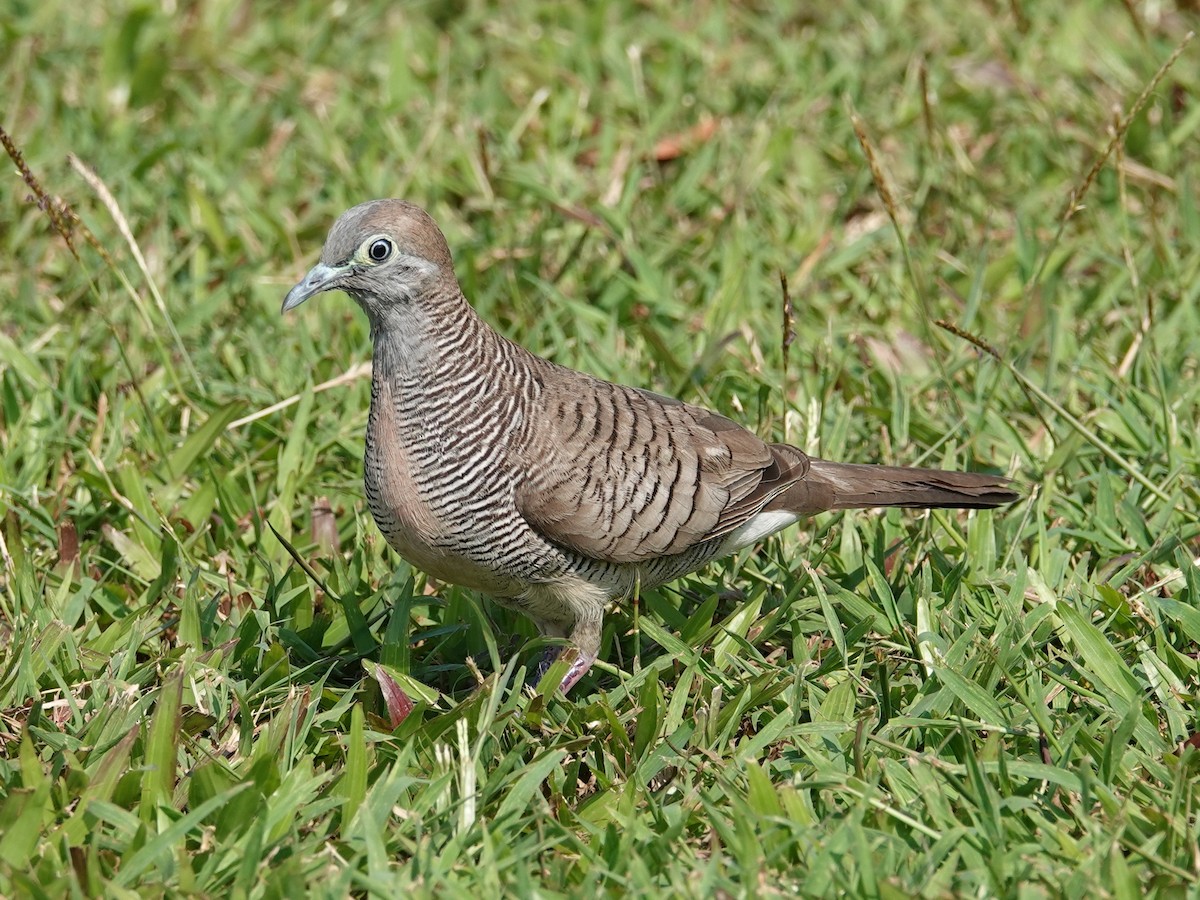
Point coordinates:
pixel 552 491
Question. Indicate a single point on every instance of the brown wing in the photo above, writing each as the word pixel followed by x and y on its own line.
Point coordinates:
pixel 624 475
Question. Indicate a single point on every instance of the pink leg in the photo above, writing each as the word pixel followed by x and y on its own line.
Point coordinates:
pixel 578 668
pixel 584 634
pixel 578 665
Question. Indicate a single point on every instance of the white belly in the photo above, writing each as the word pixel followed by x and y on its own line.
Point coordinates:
pixel 759 527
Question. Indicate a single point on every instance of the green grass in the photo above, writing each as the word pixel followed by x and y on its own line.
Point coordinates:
pixel 875 705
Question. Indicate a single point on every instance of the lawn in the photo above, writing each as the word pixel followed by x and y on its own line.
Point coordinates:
pixel 988 220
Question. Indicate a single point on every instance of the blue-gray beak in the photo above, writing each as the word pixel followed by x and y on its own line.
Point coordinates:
pixel 320 278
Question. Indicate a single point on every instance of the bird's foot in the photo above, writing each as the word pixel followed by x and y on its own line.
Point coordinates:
pixel 578 664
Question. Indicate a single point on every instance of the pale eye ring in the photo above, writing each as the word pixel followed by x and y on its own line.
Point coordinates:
pixel 379 250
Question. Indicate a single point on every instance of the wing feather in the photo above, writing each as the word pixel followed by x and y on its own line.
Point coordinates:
pixel 649 476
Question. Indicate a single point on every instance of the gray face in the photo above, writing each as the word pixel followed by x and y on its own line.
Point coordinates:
pixel 381 252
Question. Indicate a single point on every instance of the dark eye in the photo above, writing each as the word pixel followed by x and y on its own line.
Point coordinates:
pixel 380 250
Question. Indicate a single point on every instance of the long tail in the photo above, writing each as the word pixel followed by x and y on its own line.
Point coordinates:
pixel 832 485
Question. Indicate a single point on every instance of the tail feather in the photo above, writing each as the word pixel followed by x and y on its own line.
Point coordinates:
pixel 832 485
